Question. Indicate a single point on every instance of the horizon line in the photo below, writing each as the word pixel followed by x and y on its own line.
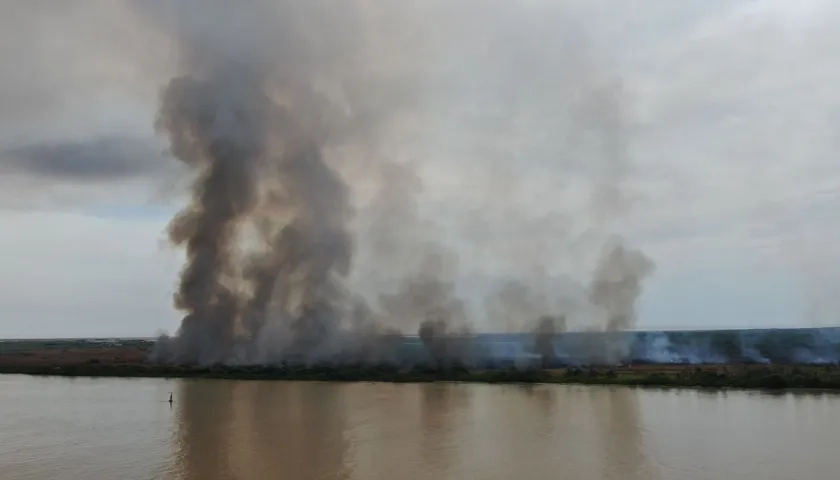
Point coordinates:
pixel 650 330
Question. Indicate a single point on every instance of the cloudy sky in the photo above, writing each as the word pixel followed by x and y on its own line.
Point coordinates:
pixel 724 117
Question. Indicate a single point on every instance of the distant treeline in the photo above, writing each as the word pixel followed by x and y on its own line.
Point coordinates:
pixel 30 345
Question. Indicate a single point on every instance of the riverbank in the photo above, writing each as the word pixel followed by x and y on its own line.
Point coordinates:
pixel 730 376
pixel 96 360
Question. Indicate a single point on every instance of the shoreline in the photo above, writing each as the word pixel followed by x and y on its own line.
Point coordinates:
pixel 740 377
pixel 130 361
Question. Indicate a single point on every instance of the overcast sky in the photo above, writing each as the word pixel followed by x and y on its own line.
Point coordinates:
pixel 730 129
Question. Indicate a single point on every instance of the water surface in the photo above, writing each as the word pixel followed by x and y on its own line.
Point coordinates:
pixel 56 428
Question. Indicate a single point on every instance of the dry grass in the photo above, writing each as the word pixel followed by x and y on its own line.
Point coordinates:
pixel 74 356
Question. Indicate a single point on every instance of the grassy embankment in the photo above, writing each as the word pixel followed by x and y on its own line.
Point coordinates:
pixel 733 376
pixel 128 362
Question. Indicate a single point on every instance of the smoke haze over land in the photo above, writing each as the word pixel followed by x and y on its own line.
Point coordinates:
pixel 346 170
pixel 284 120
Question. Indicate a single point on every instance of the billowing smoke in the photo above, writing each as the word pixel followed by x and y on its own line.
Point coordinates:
pixel 814 346
pixel 414 276
pixel 615 288
pixel 617 284
pixel 547 329
pixel 216 126
pixel 762 346
pixel 267 228
pixel 309 237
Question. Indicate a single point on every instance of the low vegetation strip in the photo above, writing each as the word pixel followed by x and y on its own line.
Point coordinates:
pixel 129 360
pixel 730 376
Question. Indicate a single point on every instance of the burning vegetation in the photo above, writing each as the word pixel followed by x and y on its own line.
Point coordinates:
pixel 283 111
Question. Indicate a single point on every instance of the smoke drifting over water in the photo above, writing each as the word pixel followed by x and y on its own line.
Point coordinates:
pixel 291 113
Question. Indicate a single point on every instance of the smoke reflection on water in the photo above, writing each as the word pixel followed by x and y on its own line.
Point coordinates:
pixel 231 430
pixel 441 417
pixel 622 434
pixel 257 430
pixel 203 445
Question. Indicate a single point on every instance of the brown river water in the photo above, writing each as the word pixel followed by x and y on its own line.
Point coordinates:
pixel 56 428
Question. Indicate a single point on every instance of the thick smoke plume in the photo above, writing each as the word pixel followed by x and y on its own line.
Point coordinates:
pixel 547 328
pixel 615 288
pixel 266 232
pixel 216 126
pixel 309 238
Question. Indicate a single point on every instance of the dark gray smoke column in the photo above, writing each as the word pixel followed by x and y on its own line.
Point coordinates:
pixel 547 329
pixel 266 229
pixel 615 288
pixel 217 127
pixel 308 258
pixel 617 284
